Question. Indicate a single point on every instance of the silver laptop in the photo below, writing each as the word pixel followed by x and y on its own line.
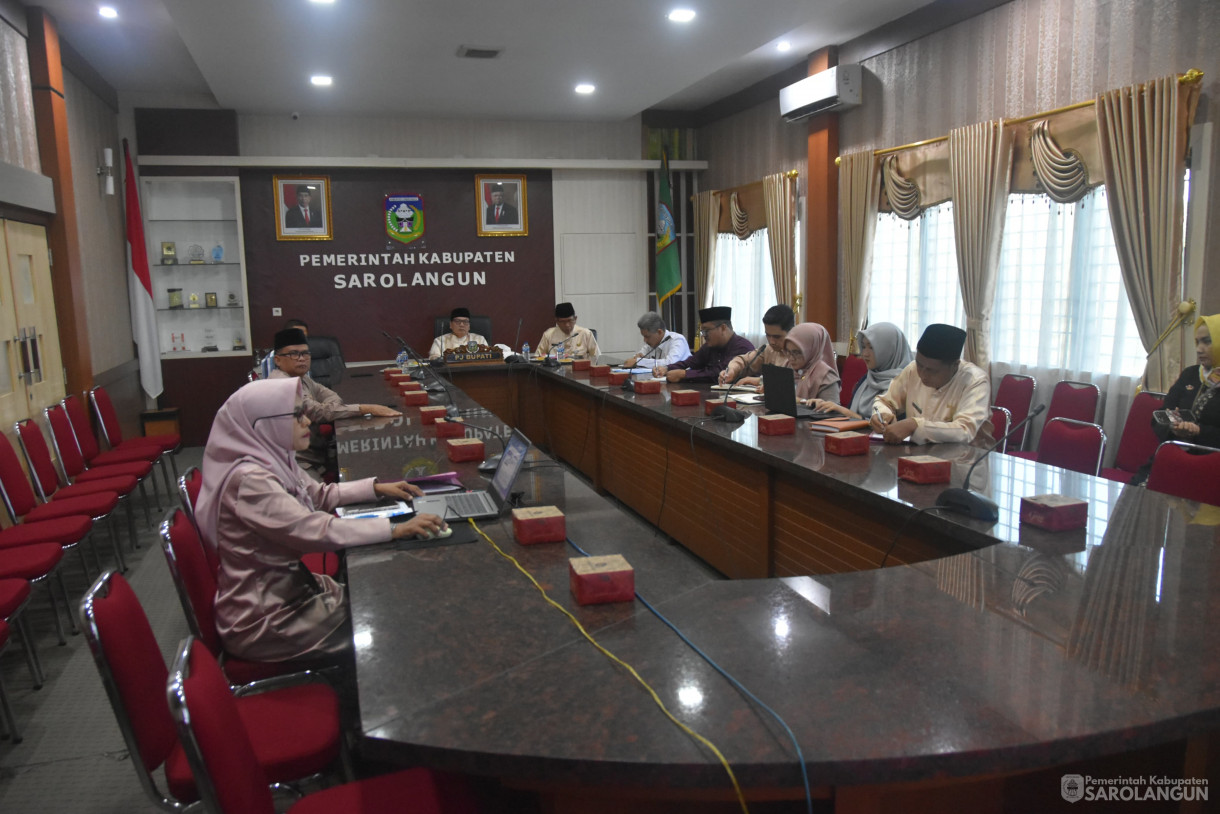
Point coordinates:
pixel 487 503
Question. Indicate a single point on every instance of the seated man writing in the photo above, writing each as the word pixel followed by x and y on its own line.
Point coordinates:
pixel 747 368
pixel 720 344
pixel 661 346
pixel 944 399
pixel 573 341
pixel 459 334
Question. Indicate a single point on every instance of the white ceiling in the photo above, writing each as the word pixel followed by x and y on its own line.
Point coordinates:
pixel 399 56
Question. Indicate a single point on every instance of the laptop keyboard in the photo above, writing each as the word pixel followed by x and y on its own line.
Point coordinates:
pixel 469 503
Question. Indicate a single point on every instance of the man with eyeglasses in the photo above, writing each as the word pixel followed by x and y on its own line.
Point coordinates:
pixel 778 320
pixel 320 403
pixel 459 334
pixel 720 344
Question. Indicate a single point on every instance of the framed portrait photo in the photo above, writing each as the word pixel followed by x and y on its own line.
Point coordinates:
pixel 501 207
pixel 302 206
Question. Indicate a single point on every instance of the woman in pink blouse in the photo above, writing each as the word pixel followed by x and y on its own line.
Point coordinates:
pixel 812 356
pixel 262 512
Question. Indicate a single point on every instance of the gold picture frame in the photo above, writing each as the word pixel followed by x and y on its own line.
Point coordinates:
pixel 296 222
pixel 512 218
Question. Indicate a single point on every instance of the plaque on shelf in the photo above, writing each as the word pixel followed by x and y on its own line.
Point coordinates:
pixel 169 254
pixel 218 253
pixel 175 298
pixel 194 299
pixel 195 253
pixel 209 299
pixel 232 300
pixel 239 343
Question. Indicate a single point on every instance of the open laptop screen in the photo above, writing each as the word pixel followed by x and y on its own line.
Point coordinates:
pixel 510 464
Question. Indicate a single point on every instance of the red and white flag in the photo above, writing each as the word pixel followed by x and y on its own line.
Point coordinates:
pixel 139 289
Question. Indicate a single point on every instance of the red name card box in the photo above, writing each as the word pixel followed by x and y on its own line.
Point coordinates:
pixel 599 370
pixel 684 398
pixel 847 443
pixel 408 384
pixel 712 404
pixel 429 414
pixel 596 580
pixel 581 364
pixel 1055 512
pixel 450 427
pixel 776 424
pixel 923 469
pixel 414 398
pixel 391 372
pixel 652 387
pixel 539 524
pixel 619 377
pixel 464 449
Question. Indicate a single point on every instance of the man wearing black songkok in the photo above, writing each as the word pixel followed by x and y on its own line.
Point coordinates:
pixel 721 344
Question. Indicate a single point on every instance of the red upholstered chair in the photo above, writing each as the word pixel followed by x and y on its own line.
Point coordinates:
pixel 14 595
pixel 112 431
pixel 8 721
pixel 1016 395
pixel 228 774
pixel 76 471
pixel 1188 471
pixel 94 455
pixel 295 730
pixel 1138 442
pixel 851 370
pixel 1074 400
pixel 36 562
pixel 1075 445
pixel 1001 422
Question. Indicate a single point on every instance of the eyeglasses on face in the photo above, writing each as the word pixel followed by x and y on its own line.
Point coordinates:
pixel 296 354
pixel 460 321
pixel 793 354
pixel 295 415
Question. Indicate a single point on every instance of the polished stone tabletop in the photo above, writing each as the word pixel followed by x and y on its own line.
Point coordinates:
pixel 1029 650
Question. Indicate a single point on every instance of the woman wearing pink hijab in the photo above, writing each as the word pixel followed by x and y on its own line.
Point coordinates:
pixel 811 355
pixel 261 512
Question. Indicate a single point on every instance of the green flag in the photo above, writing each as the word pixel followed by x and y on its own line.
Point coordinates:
pixel 669 273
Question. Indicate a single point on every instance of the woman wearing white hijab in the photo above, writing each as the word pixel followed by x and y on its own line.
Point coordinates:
pixel 261 512
pixel 885 352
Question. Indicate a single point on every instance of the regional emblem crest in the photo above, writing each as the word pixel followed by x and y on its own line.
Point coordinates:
pixel 404 217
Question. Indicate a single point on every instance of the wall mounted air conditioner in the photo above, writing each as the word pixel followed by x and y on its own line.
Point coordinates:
pixel 834 89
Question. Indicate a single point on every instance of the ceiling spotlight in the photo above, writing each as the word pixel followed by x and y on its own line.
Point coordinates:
pixel 681 15
pixel 321 80
pixel 585 87
pixel 323 2
pixel 108 12
pixel 783 45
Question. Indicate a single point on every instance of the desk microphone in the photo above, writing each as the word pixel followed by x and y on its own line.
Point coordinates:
pixel 401 345
pixel 548 361
pixel 492 462
pixel 630 383
pixel 962 500
pixel 726 412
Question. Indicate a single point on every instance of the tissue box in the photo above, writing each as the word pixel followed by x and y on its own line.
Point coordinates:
pixel 450 427
pixel 407 384
pixel 599 370
pixel 619 377
pixel 429 414
pixel 923 469
pixel 464 449
pixel 847 443
pixel 414 398
pixel 712 404
pixel 391 372
pixel 595 580
pixel 581 364
pixel 776 425
pixel 683 398
pixel 539 524
pixel 1055 512
pixel 653 386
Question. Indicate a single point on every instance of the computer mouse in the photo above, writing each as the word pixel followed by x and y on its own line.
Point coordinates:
pixel 436 535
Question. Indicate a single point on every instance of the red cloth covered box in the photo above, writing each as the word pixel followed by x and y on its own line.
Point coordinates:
pixel 599 370
pixel 391 372
pixel 408 384
pixel 429 414
pixel 450 428
pixel 581 364
pixel 595 580
pixel 712 404
pixel 619 377
pixel 924 469
pixel 464 449
pixel 1055 512
pixel 847 443
pixel 684 398
pixel 776 425
pixel 414 398
pixel 650 387
pixel 539 524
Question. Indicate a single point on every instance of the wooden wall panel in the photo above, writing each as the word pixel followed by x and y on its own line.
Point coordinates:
pixel 634 461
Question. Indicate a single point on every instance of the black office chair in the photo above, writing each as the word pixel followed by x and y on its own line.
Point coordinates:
pixel 327 367
pixel 478 325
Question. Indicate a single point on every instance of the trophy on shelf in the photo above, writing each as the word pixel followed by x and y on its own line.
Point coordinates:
pixel 218 253
pixel 209 341
pixel 239 343
pixel 169 254
pixel 195 253
pixel 177 342
pixel 232 302
pixel 194 299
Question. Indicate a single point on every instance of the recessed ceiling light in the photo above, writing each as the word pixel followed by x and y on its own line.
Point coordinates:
pixel 783 45
pixel 322 2
pixel 585 87
pixel 681 15
pixel 321 80
pixel 108 12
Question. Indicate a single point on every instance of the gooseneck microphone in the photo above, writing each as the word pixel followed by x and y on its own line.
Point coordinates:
pixel 630 383
pixel 726 412
pixel 972 504
pixel 452 409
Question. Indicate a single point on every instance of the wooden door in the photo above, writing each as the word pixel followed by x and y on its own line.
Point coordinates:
pixel 35 336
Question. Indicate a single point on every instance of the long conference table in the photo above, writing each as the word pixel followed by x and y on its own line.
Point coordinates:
pixel 979 650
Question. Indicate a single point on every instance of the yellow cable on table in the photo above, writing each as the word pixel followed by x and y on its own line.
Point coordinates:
pixel 656 698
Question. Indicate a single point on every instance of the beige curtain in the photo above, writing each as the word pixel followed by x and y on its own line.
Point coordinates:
pixel 859 197
pixel 1142 135
pixel 780 203
pixel 980 166
pixel 707 219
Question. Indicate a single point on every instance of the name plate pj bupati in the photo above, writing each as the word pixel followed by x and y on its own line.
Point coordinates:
pixel 484 357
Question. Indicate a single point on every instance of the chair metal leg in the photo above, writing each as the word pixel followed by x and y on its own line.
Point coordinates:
pixel 63 589
pixel 31 653
pixel 144 495
pixel 7 715
pixel 169 486
pixel 59 623
pixel 114 542
pixel 131 521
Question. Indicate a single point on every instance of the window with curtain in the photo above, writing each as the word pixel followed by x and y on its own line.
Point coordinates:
pixel 742 280
pixel 914 282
